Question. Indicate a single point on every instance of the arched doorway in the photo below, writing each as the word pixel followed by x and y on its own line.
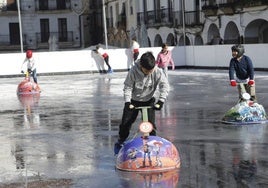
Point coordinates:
pixel 170 40
pixel 213 32
pixel 158 41
pixel 231 34
pixel 256 32
pixel 187 41
pixel 198 40
pixel 149 42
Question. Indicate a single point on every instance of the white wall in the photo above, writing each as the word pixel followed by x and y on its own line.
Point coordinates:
pixel 87 60
pixel 220 55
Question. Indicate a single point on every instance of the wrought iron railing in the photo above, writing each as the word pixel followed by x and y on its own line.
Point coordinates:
pixel 157 17
pixel 190 18
pixel 214 4
pixel 60 36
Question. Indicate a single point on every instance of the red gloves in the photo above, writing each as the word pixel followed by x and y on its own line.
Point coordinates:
pixel 251 82
pixel 233 83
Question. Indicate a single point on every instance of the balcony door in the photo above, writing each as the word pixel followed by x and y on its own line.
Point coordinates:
pixel 62 26
pixel 43 4
pixel 14 31
pixel 11 5
pixel 61 4
pixel 157 10
pixel 44 28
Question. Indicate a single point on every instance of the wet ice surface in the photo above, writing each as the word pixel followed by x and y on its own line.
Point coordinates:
pixel 66 138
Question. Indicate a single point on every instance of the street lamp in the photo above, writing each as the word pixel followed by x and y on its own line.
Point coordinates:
pixel 183 22
pixel 19 17
pixel 104 24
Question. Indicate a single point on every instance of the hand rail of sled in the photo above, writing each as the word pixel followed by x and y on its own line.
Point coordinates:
pixel 27 75
pixel 144 110
pixel 244 93
pixel 145 127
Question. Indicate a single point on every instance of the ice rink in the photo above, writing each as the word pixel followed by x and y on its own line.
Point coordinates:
pixel 65 138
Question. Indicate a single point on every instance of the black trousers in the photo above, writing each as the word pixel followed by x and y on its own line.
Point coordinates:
pixel 33 74
pixel 130 115
pixel 106 60
pixel 135 56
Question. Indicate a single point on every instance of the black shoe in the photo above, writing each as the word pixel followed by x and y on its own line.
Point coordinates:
pixel 241 100
pixel 252 98
pixel 117 147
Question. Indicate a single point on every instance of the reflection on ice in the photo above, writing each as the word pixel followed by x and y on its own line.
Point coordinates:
pixel 169 179
pixel 66 136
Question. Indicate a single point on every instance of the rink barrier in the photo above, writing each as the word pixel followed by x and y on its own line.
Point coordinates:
pixel 87 61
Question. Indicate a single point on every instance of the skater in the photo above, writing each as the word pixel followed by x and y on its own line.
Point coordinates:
pixel 135 49
pixel 139 90
pixel 105 57
pixel 31 66
pixel 241 66
pixel 164 59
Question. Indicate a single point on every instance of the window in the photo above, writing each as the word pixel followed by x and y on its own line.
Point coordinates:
pixel 14 30
pixel 131 7
pixel 111 22
pixel 43 4
pixel 12 5
pixel 44 28
pixel 61 4
pixel 62 26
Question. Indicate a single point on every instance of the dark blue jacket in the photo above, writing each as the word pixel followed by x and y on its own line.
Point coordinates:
pixel 243 68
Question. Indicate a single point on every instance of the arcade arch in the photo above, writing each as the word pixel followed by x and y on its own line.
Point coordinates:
pixel 231 34
pixel 187 41
pixel 198 40
pixel 213 33
pixel 158 41
pixel 170 40
pixel 256 32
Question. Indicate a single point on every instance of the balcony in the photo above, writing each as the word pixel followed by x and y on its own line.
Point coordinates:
pixel 8 7
pixel 10 43
pixel 41 41
pixel 62 40
pixel 229 7
pixel 192 18
pixel 210 7
pixel 52 5
pixel 157 18
pixel 252 3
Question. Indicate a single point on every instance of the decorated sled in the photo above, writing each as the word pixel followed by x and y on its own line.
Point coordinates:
pixel 245 112
pixel 147 153
pixel 28 87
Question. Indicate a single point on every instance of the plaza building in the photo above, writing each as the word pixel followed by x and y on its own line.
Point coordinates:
pixel 191 22
pixel 52 25
pixel 43 24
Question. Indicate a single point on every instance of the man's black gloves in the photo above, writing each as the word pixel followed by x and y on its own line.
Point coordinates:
pixel 129 106
pixel 158 105
pixel 30 70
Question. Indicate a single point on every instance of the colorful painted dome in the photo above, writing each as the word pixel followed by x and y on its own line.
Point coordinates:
pixel 148 154
pixel 27 87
